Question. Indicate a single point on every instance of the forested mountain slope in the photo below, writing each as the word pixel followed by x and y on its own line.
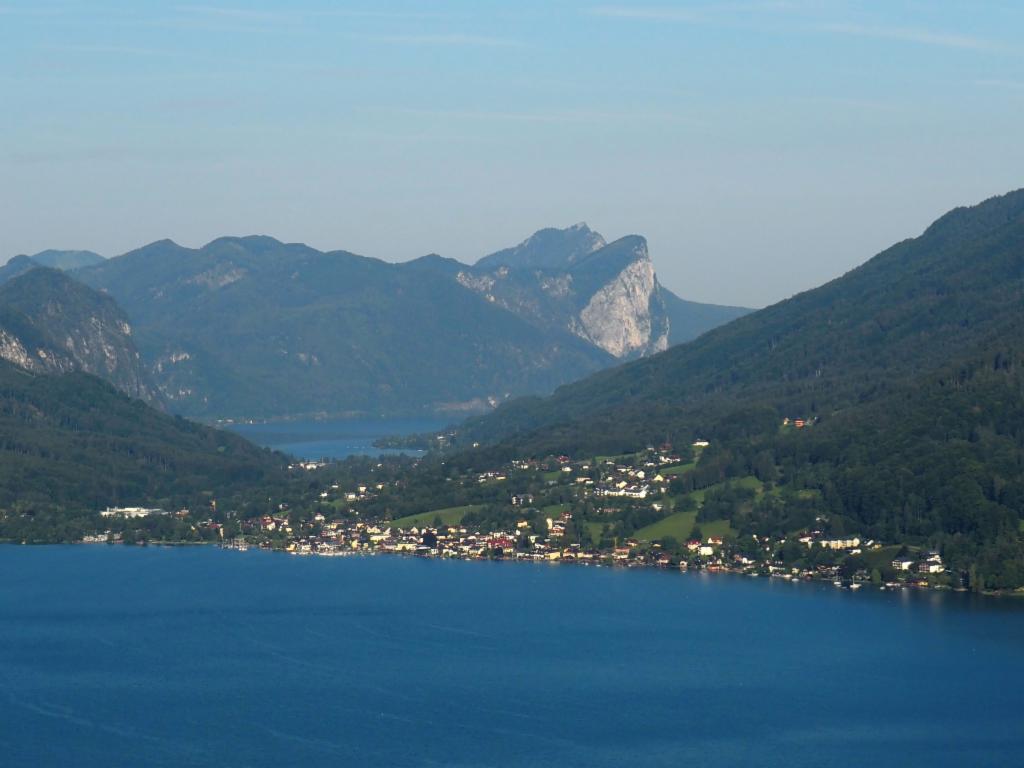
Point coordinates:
pixel 254 327
pixel 50 323
pixel 72 443
pixel 907 311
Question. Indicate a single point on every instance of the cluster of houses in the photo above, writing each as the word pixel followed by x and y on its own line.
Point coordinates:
pixel 356 537
pixel 645 477
pixel 631 482
pixel 928 563
pixel 798 423
pixel 849 544
pixel 130 512
pixel 339 538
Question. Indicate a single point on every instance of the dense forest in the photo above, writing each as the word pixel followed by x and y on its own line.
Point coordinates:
pixel 907 372
pixel 909 310
pixel 887 404
pixel 71 445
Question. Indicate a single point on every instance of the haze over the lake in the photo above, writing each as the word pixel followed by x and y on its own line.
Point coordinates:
pixel 743 140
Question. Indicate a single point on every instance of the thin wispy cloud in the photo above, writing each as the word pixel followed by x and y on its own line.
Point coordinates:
pixel 10 10
pixel 116 50
pixel 244 14
pixel 253 15
pixel 650 13
pixel 692 14
pixel 450 39
pixel 560 116
pixel 1013 85
pixel 914 35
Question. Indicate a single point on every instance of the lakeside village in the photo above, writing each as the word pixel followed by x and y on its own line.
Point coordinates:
pixel 642 510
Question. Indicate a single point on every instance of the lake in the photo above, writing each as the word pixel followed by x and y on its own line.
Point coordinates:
pixel 205 657
pixel 334 438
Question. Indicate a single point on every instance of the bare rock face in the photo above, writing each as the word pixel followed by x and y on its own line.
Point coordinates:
pixel 51 324
pixel 604 293
pixel 618 317
pixel 13 351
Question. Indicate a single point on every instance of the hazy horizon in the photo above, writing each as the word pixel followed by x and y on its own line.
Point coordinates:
pixel 470 260
pixel 762 148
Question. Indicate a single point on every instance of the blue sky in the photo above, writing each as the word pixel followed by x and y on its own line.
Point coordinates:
pixel 762 147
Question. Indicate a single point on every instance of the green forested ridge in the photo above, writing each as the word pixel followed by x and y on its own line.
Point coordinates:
pixel 909 370
pixel 909 310
pixel 73 444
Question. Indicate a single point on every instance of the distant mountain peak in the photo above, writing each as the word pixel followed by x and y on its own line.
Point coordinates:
pixel 249 242
pixel 548 248
pixel 16 266
pixel 67 259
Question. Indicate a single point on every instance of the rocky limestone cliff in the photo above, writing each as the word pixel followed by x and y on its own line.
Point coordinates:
pixel 619 317
pixel 608 295
pixel 49 323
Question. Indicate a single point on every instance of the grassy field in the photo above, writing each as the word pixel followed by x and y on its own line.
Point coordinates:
pixel 880 558
pixel 678 469
pixel 680 525
pixel 627 457
pixel 677 525
pixel 449 516
pixel 594 529
pixel 744 482
pixel 554 510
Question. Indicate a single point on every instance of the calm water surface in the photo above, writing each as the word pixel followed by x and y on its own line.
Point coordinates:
pixel 204 657
pixel 334 439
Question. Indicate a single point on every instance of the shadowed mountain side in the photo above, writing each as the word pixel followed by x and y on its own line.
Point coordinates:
pixel 50 323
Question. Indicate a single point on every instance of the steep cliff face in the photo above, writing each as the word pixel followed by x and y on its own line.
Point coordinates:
pixel 608 295
pixel 49 323
pixel 627 316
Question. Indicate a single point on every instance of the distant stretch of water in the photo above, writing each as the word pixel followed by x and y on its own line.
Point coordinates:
pixel 205 657
pixel 334 439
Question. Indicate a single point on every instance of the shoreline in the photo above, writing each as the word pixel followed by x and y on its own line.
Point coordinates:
pixel 853 586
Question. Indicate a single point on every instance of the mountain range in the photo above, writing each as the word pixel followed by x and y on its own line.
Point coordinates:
pixel 249 327
pixel 888 402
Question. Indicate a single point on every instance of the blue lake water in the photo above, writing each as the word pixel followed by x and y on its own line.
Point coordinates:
pixel 334 439
pixel 205 657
